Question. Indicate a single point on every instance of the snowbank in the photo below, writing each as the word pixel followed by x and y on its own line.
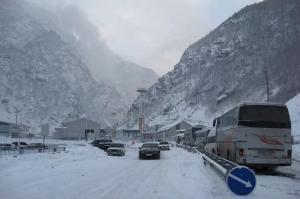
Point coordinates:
pixel 294 110
pixel 87 172
pixel 296 152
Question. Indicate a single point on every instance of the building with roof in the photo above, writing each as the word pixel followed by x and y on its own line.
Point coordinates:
pixel 166 132
pixel 80 129
pixel 148 136
pixel 14 130
pixel 130 132
pixel 155 127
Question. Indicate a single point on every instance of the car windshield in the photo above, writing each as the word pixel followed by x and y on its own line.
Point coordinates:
pixel 150 145
pixel 163 143
pixel 23 143
pixel 264 113
pixel 116 145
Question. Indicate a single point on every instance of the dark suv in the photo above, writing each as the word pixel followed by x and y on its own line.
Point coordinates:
pixel 149 149
pixel 101 144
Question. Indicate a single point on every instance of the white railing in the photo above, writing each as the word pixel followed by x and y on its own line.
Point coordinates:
pixel 30 151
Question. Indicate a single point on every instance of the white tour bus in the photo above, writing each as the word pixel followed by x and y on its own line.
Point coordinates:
pixel 201 137
pixel 254 135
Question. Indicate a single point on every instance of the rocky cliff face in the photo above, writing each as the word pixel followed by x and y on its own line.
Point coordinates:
pixel 228 66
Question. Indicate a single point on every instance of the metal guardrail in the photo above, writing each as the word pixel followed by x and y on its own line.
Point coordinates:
pixel 220 165
pixel 30 151
pixel 188 148
pixel 239 179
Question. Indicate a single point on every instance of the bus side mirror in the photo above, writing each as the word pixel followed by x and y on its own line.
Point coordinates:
pixel 216 122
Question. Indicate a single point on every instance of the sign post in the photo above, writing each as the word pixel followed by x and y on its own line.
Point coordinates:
pixel 241 180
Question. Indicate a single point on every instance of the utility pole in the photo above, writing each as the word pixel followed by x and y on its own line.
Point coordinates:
pixel 114 124
pixel 16 118
pixel 267 84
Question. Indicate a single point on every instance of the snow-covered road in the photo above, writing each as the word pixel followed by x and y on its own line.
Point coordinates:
pixel 87 172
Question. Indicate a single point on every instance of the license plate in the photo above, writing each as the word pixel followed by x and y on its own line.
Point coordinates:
pixel 148 154
pixel 265 153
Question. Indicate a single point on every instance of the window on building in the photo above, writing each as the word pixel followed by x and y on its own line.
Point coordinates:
pixel 4 128
pixel 14 135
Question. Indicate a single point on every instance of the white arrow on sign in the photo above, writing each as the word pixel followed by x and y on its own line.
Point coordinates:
pixel 248 184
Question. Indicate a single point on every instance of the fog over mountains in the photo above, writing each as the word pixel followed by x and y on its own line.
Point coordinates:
pixel 54 68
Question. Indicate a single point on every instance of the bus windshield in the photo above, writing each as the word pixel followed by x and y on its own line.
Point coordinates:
pixel 264 113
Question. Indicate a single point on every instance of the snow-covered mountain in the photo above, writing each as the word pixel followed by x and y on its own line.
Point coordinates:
pixel 44 78
pixel 228 66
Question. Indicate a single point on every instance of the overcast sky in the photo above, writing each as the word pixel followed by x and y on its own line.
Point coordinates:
pixel 155 33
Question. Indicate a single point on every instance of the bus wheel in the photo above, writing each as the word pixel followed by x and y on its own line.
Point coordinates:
pixel 228 156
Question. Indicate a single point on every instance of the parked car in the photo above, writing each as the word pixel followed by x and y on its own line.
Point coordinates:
pixel 164 145
pixel 20 145
pixel 149 149
pixel 101 144
pixel 37 146
pixel 116 149
pixel 5 146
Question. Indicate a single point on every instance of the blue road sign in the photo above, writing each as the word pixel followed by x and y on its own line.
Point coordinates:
pixel 241 180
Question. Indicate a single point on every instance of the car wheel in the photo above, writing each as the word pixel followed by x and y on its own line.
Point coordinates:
pixel 124 153
pixel 158 157
pixel 140 157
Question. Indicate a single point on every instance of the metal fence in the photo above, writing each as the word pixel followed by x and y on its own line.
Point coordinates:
pixel 188 148
pixel 30 151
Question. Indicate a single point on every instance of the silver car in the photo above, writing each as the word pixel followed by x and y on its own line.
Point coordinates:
pixel 163 145
pixel 116 149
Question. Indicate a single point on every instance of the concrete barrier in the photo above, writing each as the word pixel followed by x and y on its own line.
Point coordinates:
pixel 189 149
